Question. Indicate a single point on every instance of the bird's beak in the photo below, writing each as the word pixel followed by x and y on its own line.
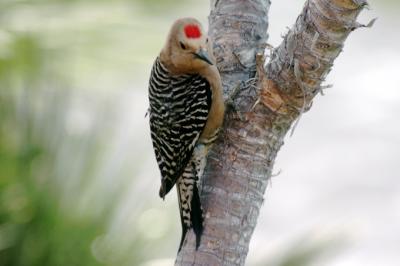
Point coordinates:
pixel 203 55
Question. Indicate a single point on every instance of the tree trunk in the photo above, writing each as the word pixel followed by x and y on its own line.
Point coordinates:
pixel 268 99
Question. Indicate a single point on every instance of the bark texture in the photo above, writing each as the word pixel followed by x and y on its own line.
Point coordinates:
pixel 267 99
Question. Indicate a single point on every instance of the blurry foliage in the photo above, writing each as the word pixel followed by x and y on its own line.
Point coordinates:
pixel 314 248
pixel 19 58
pixel 49 214
pixel 34 230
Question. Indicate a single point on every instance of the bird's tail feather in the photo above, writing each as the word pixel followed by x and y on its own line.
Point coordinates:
pixel 189 204
pixel 182 212
pixel 196 215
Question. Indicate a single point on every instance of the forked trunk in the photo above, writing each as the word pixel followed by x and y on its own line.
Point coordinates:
pixel 268 102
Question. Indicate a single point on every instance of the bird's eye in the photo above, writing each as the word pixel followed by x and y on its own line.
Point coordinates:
pixel 207 40
pixel 182 46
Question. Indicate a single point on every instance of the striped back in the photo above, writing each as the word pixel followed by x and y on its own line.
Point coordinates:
pixel 179 107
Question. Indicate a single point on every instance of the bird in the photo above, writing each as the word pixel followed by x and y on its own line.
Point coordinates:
pixel 186 113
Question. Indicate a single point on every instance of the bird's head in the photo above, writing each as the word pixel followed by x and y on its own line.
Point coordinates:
pixel 187 49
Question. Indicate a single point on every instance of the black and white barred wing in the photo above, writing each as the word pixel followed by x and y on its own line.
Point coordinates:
pixel 179 107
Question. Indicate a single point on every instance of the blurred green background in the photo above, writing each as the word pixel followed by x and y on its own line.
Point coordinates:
pixel 78 181
pixel 67 163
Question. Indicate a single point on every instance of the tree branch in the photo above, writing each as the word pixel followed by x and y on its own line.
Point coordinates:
pixel 300 64
pixel 267 104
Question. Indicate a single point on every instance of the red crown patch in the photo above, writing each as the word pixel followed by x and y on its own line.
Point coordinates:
pixel 192 31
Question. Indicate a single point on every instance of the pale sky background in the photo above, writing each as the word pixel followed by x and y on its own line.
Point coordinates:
pixel 340 170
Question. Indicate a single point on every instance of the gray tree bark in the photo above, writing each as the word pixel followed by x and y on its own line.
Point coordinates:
pixel 268 100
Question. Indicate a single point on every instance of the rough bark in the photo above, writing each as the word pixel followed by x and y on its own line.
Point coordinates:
pixel 268 101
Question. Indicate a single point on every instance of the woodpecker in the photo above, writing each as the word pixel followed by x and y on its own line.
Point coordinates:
pixel 186 112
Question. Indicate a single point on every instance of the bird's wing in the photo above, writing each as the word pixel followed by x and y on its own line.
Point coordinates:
pixel 179 107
